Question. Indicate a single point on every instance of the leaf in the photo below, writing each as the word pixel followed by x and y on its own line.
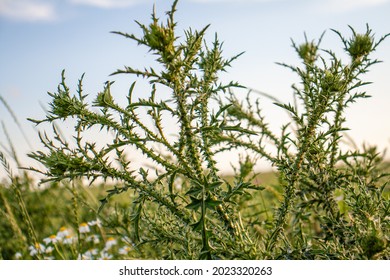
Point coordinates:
pixel 220 111
pixel 211 203
pixel 170 185
pixel 198 226
pixel 135 219
pixel 103 202
pixel 195 204
pixel 211 187
pixel 237 128
pixel 194 191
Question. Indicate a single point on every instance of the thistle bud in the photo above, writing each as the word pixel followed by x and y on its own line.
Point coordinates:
pixel 308 52
pixel 359 46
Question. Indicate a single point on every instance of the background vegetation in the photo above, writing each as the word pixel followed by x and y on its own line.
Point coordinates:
pixel 325 200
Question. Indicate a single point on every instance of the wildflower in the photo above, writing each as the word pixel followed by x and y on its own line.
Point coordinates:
pixel 124 250
pixel 105 256
pixel 97 222
pixel 82 257
pixel 93 238
pixel 89 255
pixel 36 248
pixel 62 233
pixel 49 250
pixel 18 256
pixel 68 240
pixel 84 228
pixel 51 239
pixel 111 241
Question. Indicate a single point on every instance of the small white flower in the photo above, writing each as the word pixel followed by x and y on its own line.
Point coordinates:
pixel 49 250
pixel 111 241
pixel 51 239
pixel 95 223
pixel 124 250
pixel 18 256
pixel 62 233
pixel 93 238
pixel 105 256
pixel 84 228
pixel 68 240
pixel 89 255
pixel 36 248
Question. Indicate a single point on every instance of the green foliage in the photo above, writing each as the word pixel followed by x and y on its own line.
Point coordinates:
pixel 328 202
pixel 311 222
pixel 202 210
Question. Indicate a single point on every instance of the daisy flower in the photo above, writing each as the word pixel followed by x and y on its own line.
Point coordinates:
pixel 68 240
pixel 97 222
pixel 93 238
pixel 111 241
pixel 49 250
pixel 51 239
pixel 84 228
pixel 18 256
pixel 36 248
pixel 89 255
pixel 62 233
pixel 105 256
pixel 124 250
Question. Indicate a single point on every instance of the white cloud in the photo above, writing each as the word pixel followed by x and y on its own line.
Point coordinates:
pixel 349 5
pixel 27 10
pixel 107 3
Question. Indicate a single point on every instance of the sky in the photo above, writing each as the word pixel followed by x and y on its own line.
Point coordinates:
pixel 40 38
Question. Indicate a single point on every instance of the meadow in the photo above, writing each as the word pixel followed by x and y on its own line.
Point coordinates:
pixel 324 200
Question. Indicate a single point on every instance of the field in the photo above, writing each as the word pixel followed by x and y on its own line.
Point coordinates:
pixel 324 199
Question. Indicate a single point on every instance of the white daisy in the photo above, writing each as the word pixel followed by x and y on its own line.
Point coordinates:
pixel 51 239
pixel 68 240
pixel 105 256
pixel 89 255
pixel 18 256
pixel 93 238
pixel 97 222
pixel 36 248
pixel 124 250
pixel 84 228
pixel 49 250
pixel 111 241
pixel 62 233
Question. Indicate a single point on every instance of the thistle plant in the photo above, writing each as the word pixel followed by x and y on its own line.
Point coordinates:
pixel 330 202
pixel 197 218
pixel 317 175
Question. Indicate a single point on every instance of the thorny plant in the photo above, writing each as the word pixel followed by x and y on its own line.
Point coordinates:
pixel 333 204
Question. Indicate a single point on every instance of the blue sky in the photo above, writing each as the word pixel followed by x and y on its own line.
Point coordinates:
pixel 39 38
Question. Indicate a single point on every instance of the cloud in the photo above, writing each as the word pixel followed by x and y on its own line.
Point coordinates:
pixel 27 10
pixel 341 6
pixel 107 3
